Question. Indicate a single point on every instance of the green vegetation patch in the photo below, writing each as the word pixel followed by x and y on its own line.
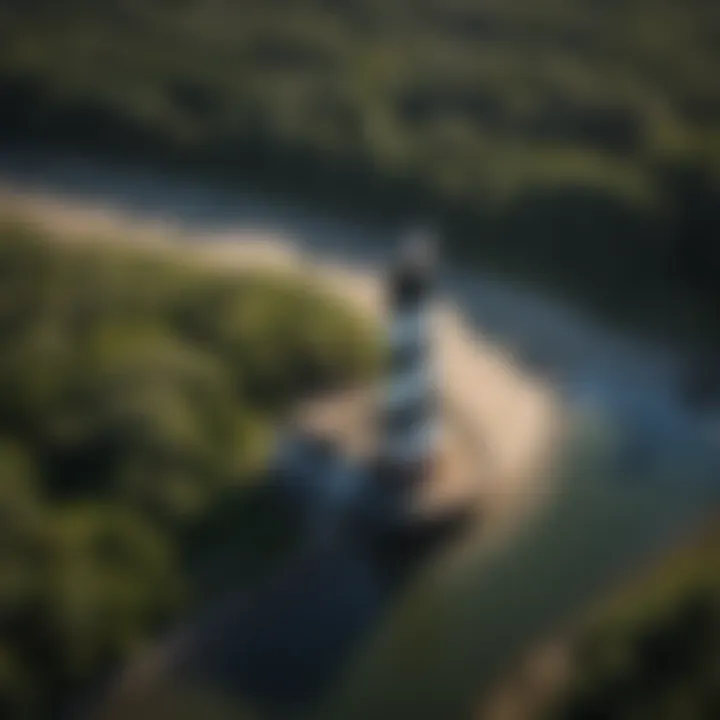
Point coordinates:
pixel 652 651
pixel 137 399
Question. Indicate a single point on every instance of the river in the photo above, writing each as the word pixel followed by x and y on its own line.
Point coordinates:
pixel 652 474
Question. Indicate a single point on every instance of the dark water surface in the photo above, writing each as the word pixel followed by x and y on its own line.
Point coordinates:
pixel 654 472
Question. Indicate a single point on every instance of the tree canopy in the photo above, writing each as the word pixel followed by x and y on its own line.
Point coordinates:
pixel 137 397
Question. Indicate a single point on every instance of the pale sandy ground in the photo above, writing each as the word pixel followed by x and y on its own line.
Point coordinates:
pixel 511 423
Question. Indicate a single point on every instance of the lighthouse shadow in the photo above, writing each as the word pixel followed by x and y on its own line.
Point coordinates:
pixel 284 644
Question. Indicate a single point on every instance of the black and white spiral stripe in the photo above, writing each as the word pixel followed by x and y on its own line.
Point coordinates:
pixel 410 419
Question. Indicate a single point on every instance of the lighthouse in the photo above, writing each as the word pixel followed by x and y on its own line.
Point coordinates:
pixel 391 455
pixel 409 419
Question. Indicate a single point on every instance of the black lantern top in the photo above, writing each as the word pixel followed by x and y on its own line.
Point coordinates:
pixel 413 273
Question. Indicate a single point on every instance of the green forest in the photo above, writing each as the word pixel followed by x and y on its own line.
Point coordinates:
pixel 574 141
pixel 651 652
pixel 136 401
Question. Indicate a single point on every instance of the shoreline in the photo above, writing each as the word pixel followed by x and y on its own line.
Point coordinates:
pixel 515 416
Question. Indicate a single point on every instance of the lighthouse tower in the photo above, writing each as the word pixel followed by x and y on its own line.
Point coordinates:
pixel 409 421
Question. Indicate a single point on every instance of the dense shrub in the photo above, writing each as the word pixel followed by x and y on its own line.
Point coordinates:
pixel 136 402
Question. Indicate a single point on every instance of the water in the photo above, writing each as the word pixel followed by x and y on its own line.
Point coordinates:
pixel 631 387
pixel 654 474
